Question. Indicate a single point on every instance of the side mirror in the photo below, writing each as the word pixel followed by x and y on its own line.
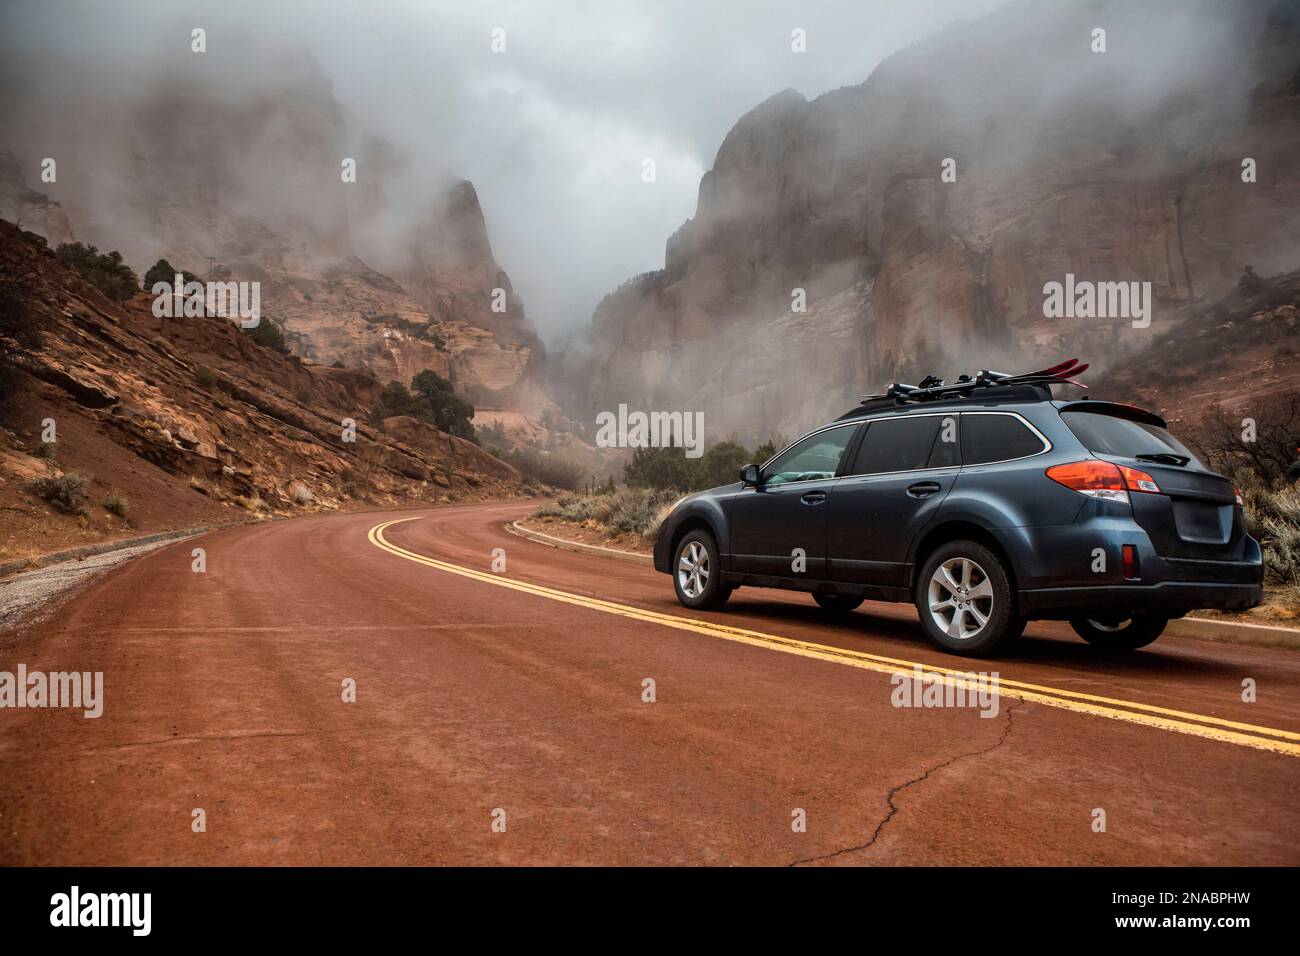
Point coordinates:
pixel 749 474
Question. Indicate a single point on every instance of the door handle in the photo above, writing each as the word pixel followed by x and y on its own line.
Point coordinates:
pixel 923 489
pixel 814 498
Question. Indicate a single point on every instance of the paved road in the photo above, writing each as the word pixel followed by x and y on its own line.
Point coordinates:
pixel 522 692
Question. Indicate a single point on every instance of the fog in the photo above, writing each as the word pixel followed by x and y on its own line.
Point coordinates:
pixel 553 131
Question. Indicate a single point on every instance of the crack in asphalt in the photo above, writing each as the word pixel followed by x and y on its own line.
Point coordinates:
pixel 894 791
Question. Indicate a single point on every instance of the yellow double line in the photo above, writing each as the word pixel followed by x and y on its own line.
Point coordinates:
pixel 1149 715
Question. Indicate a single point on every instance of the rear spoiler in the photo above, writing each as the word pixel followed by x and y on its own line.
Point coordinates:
pixel 1116 410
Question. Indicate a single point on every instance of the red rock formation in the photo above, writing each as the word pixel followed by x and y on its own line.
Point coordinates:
pixel 194 422
pixel 250 184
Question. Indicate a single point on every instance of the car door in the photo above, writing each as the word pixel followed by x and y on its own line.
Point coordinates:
pixel 902 470
pixel 787 509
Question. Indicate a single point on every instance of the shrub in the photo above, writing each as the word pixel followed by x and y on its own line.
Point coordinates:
pixel 670 468
pixel 116 503
pixel 300 494
pixel 1274 517
pixel 105 271
pixel 637 511
pixel 206 378
pixel 253 502
pixel 67 492
pixel 660 468
pixel 36 240
pixel 348 479
pixel 269 335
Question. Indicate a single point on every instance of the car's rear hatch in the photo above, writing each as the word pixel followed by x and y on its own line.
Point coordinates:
pixel 1194 515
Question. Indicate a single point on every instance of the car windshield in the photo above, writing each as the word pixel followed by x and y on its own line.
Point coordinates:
pixel 1105 434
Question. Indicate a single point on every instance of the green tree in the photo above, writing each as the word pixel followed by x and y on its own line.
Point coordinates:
pixel 660 468
pixel 763 452
pixel 720 465
pixel 396 399
pixel 446 409
pixel 669 468
pixel 105 271
pixel 164 271
pixel 269 335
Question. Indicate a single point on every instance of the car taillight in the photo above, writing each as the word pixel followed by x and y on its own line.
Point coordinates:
pixel 1139 480
pixel 1097 479
pixel 1102 479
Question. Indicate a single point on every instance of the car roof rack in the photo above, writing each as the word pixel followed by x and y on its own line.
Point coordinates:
pixel 990 386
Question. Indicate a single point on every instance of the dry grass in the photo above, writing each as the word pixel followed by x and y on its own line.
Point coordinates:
pixel 66 492
pixel 117 503
pixel 637 511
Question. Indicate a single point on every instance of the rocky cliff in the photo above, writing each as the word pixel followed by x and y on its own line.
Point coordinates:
pixel 1116 166
pixel 392 272
pixel 189 420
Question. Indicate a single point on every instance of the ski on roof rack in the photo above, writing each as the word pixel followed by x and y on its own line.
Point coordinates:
pixel 932 388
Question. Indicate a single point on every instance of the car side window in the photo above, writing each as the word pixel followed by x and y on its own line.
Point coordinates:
pixel 816 457
pixel 907 444
pixel 989 438
pixel 946 451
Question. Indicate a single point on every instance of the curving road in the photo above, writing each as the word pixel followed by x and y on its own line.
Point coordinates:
pixel 521 692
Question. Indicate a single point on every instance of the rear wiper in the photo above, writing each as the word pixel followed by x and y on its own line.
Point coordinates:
pixel 1164 458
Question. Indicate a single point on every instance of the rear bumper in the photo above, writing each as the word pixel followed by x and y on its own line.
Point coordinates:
pixel 1172 597
pixel 1077 570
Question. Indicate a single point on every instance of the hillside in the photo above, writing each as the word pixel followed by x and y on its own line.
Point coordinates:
pixel 190 421
pixel 241 178
pixel 1240 354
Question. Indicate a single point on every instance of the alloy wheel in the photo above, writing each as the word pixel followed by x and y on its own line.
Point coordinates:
pixel 961 598
pixel 693 569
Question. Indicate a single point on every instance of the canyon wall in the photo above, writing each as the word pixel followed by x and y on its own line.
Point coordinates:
pixel 1123 165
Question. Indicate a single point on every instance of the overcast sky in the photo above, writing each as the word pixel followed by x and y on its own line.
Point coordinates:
pixel 553 131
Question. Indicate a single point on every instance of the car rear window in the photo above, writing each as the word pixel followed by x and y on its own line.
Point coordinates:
pixel 994 437
pixel 1105 434
pixel 904 444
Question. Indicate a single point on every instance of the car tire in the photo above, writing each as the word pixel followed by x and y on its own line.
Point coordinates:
pixel 837 603
pixel 965 601
pixel 1120 634
pixel 697 572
